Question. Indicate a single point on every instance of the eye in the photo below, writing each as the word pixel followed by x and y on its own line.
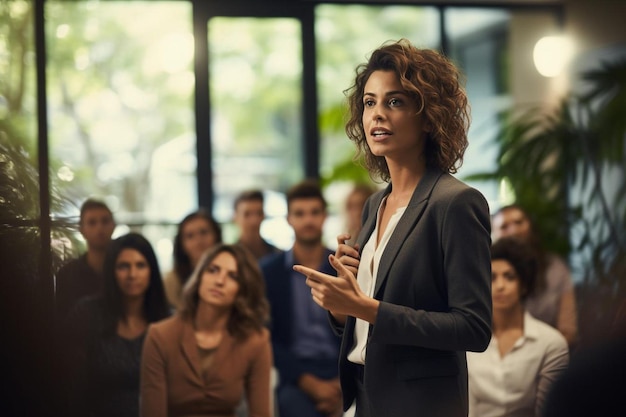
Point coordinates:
pixel 368 102
pixel 394 102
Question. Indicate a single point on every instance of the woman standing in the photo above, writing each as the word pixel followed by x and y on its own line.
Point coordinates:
pixel 417 295
pixel 107 332
pixel 197 232
pixel 525 356
pixel 200 361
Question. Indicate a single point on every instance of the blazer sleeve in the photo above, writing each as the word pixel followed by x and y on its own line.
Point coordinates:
pixel 153 396
pixel 258 390
pixel 463 225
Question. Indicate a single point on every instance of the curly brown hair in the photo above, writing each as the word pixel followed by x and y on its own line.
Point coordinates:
pixel 250 310
pixel 435 84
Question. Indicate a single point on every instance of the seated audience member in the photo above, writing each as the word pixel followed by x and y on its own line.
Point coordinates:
pixel 199 362
pixel 554 299
pixel 107 331
pixel 83 276
pixel 306 351
pixel 525 356
pixel 353 209
pixel 248 216
pixel 197 232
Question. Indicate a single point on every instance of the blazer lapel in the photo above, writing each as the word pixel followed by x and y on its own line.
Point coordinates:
pixel 189 348
pixel 411 216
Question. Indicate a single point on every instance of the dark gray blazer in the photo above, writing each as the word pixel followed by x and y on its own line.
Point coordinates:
pixel 434 284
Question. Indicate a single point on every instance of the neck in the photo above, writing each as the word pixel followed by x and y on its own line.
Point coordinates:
pixel 507 319
pixel 95 259
pixel 405 178
pixel 133 308
pixel 210 319
pixel 310 255
pixel 250 236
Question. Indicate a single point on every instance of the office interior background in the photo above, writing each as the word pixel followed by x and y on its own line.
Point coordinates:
pixel 159 107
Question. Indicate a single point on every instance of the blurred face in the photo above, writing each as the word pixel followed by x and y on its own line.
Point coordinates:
pixel 306 216
pixel 219 286
pixel 249 215
pixel 505 285
pixel 197 236
pixel 132 273
pixel 392 126
pixel 511 222
pixel 97 227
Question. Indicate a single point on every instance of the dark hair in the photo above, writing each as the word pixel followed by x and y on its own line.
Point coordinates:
pixel 249 195
pixel 534 242
pixel 521 257
pixel 182 263
pixel 92 204
pixel 250 311
pixel 306 189
pixel 155 305
pixel 434 83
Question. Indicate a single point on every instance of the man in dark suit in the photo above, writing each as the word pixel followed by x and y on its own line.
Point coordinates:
pixel 305 349
pixel 82 276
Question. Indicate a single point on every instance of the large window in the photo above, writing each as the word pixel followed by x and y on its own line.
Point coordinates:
pixel 120 109
pixel 135 118
pixel 255 68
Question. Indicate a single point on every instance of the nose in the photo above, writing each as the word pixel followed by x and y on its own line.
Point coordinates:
pixel 220 279
pixel 497 283
pixel 377 113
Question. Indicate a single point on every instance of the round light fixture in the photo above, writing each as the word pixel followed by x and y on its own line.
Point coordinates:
pixel 552 54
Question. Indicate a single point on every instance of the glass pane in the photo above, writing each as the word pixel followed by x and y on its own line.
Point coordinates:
pixel 478 44
pixel 120 97
pixel 255 67
pixel 18 114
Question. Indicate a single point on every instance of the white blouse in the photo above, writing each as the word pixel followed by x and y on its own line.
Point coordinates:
pixel 516 384
pixel 366 278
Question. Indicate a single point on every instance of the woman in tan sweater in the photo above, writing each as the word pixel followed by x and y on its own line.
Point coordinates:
pixel 201 361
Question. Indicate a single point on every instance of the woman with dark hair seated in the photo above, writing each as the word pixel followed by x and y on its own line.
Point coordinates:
pixel 107 332
pixel 525 356
pixel 201 361
pixel 197 232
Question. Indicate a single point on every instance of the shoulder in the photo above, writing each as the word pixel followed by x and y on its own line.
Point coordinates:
pixel 71 266
pixel 258 340
pixel 451 189
pixel 167 329
pixel 272 261
pixel 557 265
pixel 547 335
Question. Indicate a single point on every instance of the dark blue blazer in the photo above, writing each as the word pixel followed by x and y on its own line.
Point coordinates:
pixel 434 285
pixel 279 294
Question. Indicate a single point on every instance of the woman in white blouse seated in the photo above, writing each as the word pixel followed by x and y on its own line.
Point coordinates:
pixel 525 356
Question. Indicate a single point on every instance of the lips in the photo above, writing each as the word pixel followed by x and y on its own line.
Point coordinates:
pixel 379 133
pixel 216 293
